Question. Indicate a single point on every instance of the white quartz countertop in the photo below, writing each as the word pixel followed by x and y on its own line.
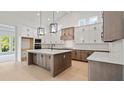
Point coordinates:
pixel 48 51
pixel 103 57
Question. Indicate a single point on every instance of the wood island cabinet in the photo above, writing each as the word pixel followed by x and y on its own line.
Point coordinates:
pixel 42 60
pixel 54 63
pixel 62 62
pixel 48 60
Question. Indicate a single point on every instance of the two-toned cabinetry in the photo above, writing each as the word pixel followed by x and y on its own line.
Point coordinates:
pixel 110 28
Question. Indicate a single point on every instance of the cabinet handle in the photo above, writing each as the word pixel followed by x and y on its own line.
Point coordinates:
pixel 49 57
pixel 101 34
pixel 94 28
pixel 41 55
pixel 64 56
pixel 94 40
pixel 83 41
pixel 83 29
pixel 75 53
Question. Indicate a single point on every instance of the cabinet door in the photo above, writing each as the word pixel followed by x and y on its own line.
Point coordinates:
pixel 58 64
pixel 48 60
pixel 73 54
pixel 35 61
pixel 113 25
pixel 67 57
pixel 78 57
pixel 83 55
pixel 44 61
pixel 41 60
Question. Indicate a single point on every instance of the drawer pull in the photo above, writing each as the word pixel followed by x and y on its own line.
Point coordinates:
pixel 64 56
pixel 49 57
pixel 101 34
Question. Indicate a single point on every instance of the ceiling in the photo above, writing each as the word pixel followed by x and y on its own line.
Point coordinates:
pixel 30 18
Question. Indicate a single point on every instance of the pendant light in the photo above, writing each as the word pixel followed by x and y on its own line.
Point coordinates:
pixel 40 29
pixel 53 26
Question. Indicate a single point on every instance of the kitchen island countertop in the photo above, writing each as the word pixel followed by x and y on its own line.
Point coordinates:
pixel 48 51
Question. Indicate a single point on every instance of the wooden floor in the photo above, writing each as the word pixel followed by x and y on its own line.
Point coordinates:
pixel 10 71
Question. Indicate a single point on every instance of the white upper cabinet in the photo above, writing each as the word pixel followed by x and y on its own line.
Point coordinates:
pixel 90 30
pixel 89 33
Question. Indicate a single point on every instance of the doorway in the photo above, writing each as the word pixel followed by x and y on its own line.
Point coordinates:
pixel 26 44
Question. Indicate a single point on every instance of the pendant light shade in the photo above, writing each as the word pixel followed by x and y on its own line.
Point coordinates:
pixel 53 26
pixel 40 30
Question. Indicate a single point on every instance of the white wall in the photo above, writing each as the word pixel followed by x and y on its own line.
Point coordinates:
pixel 73 18
pixel 116 50
pixel 7 58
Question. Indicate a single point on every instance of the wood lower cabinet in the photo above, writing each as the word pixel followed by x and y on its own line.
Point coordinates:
pixel 81 55
pixel 84 55
pixel 101 71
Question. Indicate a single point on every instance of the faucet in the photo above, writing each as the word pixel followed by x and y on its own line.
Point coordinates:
pixel 52 45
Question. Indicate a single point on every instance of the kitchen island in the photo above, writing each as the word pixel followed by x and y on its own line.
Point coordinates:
pixel 55 61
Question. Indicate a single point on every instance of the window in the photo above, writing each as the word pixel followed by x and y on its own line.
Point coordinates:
pixel 13 43
pixel 82 22
pixel 7 39
pixel 4 43
pixel 7 44
pixel 87 21
pixel 93 20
